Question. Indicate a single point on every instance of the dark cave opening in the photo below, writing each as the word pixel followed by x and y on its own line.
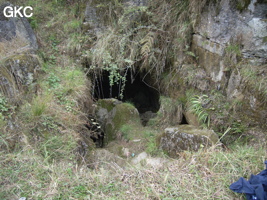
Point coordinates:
pixel 138 90
pixel 184 121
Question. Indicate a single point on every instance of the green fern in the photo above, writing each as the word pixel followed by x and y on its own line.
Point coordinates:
pixel 147 44
pixel 196 106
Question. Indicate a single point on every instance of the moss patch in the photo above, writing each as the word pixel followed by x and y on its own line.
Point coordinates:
pixel 121 114
pixel 108 104
pixel 241 5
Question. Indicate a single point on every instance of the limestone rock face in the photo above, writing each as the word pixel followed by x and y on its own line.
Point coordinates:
pixel 230 42
pixel 221 26
pixel 92 20
pixel 224 30
pixel 16 26
pixel 186 137
pixel 113 114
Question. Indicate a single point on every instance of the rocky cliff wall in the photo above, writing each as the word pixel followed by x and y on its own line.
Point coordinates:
pixel 230 44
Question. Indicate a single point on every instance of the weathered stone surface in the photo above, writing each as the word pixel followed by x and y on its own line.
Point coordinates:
pixel 16 26
pixel 113 114
pixel 209 45
pixel 186 137
pixel 135 2
pixel 222 26
pixel 191 118
pixel 248 28
pixel 18 72
pixel 145 159
pixel 233 83
pixel 92 20
pixel 139 158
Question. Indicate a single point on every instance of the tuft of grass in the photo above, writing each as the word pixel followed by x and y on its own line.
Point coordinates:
pixel 2 121
pixel 254 80
pixel 72 26
pixel 58 147
pixel 125 131
pixel 39 105
pixel 14 46
pixel 143 32
pixel 74 43
pixel 233 49
pixel 152 142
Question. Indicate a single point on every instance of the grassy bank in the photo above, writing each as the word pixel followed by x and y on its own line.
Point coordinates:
pixel 206 174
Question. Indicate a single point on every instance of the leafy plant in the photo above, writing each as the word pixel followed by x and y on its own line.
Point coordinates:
pixel 33 22
pixel 53 80
pixel 116 76
pixel 3 104
pixel 2 121
pixel 238 127
pixel 196 105
pixel 49 123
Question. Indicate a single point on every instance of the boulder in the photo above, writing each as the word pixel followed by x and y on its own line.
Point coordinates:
pixel 135 2
pixel 186 138
pixel 113 114
pixel 15 27
pixel 146 160
pixel 18 72
pixel 139 158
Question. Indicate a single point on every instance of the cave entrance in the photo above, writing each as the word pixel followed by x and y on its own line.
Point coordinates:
pixel 183 121
pixel 138 90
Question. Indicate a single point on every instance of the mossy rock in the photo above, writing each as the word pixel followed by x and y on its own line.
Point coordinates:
pixel 124 113
pixel 108 104
pixel 114 114
pixel 18 72
pixel 186 138
pixel 120 115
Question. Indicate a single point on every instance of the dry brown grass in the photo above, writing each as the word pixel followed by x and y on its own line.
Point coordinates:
pixel 16 45
pixel 206 174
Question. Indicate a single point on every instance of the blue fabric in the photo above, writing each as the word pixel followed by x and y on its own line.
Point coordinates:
pixel 255 188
